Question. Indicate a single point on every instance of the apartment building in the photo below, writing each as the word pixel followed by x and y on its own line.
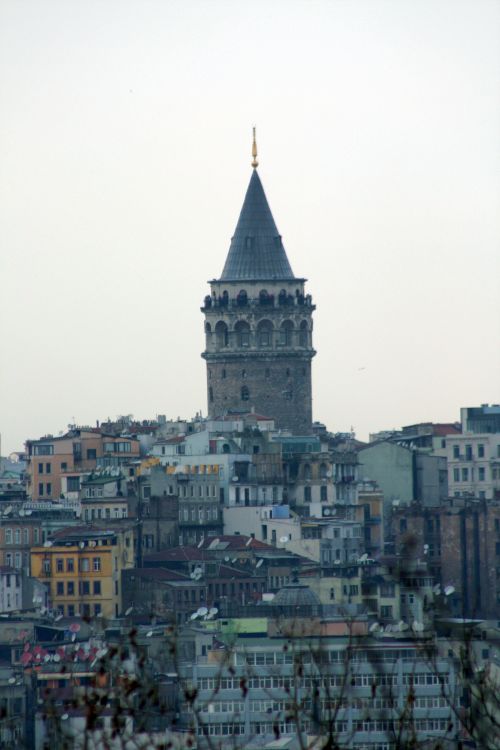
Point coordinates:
pixel 79 450
pixel 82 568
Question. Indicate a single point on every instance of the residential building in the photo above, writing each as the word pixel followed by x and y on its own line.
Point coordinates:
pixel 27 525
pixel 82 568
pixel 460 541
pixel 79 450
pixel 474 456
pixel 11 589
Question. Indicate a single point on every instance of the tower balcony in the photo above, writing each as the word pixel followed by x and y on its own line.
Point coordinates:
pixel 287 302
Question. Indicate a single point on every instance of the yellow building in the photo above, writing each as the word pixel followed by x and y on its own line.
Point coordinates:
pixel 82 568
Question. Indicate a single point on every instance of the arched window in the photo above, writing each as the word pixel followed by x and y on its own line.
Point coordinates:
pixel 265 333
pixel 221 335
pixel 282 297
pixel 307 471
pixel 265 298
pixel 225 298
pixel 307 494
pixel 208 334
pixel 286 333
pixel 242 298
pixel 323 471
pixel 245 393
pixel 303 334
pixel 242 330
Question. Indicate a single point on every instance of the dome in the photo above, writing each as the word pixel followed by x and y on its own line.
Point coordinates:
pixel 296 595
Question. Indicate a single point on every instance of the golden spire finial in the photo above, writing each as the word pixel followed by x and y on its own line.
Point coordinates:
pixel 255 162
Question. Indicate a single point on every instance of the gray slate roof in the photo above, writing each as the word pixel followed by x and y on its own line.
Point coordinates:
pixel 256 251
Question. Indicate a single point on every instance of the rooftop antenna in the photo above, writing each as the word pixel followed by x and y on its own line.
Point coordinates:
pixel 255 162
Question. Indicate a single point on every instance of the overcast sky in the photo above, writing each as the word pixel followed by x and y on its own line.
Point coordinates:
pixel 125 136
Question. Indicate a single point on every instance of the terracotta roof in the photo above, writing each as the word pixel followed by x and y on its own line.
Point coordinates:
pixel 443 429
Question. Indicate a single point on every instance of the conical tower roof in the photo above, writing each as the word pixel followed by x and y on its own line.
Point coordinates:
pixel 256 252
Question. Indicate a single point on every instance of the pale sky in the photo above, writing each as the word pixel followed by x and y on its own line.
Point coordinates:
pixel 125 136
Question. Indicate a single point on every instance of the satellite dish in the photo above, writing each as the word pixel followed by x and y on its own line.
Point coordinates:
pixel 56 658
pixel 194 616
pixel 82 545
pixel 329 474
pixel 449 590
pixel 64 717
pixel 28 512
pixel 21 512
pixel 437 589
pixel 213 611
pixel 149 634
pixel 47 544
pixel 403 625
pixel 374 627
pixel 259 563
pixel 73 637
pixel 200 543
pixel 59 617
pixel 248 541
pixel 235 478
pixel 336 562
pixel 326 511
pixel 129 611
pixel 12 680
pixel 202 611
pixel 192 575
pixel 283 539
pixel 226 559
pixel 234 560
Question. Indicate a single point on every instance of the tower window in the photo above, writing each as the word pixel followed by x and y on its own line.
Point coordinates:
pixel 267 372
pixel 286 333
pixel 223 374
pixel 243 373
pixel 245 393
pixel 210 374
pixel 211 394
pixel 221 335
pixel 242 331
pixel 265 333
pixel 242 298
pixel 288 372
pixel 304 334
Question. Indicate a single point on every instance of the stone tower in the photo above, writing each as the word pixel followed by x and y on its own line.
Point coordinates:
pixel 258 325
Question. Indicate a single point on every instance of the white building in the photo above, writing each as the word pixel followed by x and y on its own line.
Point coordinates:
pixel 10 589
pixel 474 456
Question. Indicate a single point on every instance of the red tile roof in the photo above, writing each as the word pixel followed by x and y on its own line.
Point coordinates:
pixel 443 429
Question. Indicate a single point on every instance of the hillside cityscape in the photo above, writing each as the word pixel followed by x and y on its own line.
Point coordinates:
pixel 251 577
